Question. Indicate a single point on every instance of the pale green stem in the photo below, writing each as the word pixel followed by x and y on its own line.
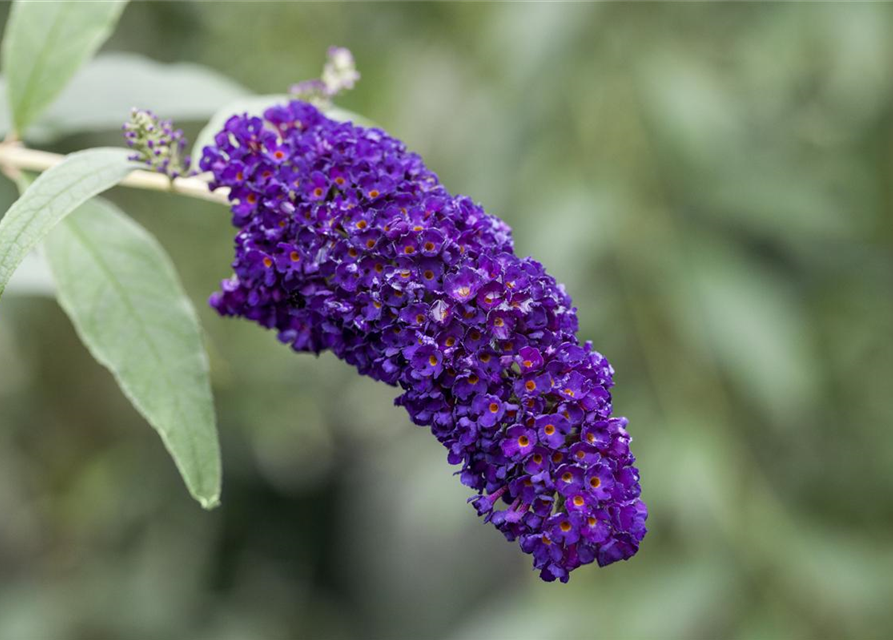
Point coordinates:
pixel 14 157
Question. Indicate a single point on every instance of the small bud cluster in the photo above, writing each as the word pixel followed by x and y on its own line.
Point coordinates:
pixel 348 242
pixel 156 143
pixel 338 74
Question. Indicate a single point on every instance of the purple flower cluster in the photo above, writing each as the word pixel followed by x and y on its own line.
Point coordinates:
pixel 347 242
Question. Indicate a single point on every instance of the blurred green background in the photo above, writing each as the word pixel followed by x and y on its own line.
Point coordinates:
pixel 714 184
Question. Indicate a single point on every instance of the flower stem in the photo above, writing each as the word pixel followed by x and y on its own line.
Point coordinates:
pixel 14 158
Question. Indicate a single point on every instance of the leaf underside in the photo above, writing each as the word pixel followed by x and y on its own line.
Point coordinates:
pixel 123 296
pixel 52 196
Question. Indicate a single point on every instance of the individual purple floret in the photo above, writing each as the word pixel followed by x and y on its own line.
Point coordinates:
pixel 348 243
pixel 156 143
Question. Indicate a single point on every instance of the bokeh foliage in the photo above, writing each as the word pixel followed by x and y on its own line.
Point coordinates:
pixel 714 184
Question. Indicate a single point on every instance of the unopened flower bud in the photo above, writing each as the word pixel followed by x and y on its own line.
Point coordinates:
pixel 156 143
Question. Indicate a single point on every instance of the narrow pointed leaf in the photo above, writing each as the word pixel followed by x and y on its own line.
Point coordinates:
pixel 55 194
pixel 32 278
pixel 123 296
pixel 105 89
pixel 44 45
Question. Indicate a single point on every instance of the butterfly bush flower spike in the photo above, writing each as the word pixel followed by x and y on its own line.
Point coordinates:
pixel 157 143
pixel 347 242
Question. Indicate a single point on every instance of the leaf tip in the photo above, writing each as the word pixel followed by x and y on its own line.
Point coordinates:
pixel 209 503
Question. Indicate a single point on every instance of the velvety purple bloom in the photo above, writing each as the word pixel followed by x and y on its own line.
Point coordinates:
pixel 564 527
pixel 490 409
pixel 569 479
pixel 580 502
pixel 530 359
pixel 538 462
pixel 597 526
pixel 552 430
pixel 584 454
pixel 427 361
pixel 463 284
pixel 518 442
pixel 348 243
pixel 599 481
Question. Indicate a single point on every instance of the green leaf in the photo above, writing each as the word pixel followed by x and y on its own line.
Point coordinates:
pixel 101 94
pixel 255 106
pixel 44 45
pixel 55 194
pixel 123 296
pixel 32 278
